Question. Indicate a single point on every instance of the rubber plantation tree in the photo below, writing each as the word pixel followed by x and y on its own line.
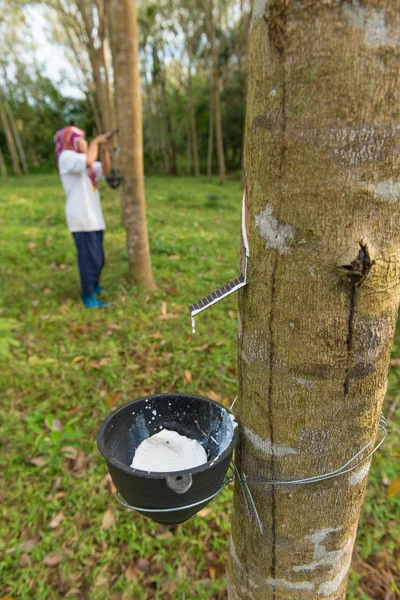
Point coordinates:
pixel 124 43
pixel 317 319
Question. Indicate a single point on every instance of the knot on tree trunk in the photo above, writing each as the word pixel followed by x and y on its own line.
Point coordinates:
pixel 359 268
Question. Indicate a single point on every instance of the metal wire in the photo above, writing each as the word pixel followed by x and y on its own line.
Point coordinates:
pixel 227 481
pixel 341 471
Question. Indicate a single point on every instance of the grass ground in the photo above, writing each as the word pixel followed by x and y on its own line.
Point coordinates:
pixel 62 535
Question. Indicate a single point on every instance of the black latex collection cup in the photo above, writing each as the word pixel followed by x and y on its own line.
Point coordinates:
pixel 173 497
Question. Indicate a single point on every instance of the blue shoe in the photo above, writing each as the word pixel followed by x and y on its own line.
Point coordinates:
pixel 92 302
pixel 98 290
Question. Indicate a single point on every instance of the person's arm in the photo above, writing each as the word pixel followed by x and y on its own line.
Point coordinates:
pixel 93 149
pixel 105 159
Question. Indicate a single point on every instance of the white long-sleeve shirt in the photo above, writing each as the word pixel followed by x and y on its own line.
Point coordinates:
pixel 83 207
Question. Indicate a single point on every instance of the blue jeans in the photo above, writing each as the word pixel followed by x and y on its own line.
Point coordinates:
pixel 90 259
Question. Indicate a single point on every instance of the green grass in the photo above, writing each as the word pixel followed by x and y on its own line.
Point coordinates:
pixel 71 366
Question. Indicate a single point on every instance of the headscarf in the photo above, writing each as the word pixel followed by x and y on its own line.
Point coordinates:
pixel 68 138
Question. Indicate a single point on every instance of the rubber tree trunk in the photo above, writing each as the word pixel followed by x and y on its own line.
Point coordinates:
pixel 192 112
pixel 317 319
pixel 208 9
pixel 95 112
pixel 129 113
pixel 108 85
pixel 3 168
pixel 102 91
pixel 173 167
pixel 210 137
pixel 17 138
pixel 10 142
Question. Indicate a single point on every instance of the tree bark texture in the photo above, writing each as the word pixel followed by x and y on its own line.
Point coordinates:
pixel 208 9
pixel 10 142
pixel 129 114
pixel 17 138
pixel 317 319
pixel 3 168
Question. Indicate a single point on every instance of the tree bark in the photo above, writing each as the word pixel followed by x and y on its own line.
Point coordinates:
pixel 173 167
pixel 317 319
pixel 10 142
pixel 192 114
pixel 97 62
pixel 17 138
pixel 95 112
pixel 210 137
pixel 208 9
pixel 113 117
pixel 129 112
pixel 3 168
pixel 188 148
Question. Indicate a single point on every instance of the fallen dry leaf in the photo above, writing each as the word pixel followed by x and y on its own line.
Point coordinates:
pixel 46 291
pixel 77 359
pixel 55 521
pixel 204 512
pixel 187 377
pixel 164 309
pixel 142 564
pixel 25 560
pixel 38 461
pixel 231 314
pixel 98 364
pixel 213 396
pixel 395 362
pixel 212 571
pixel 131 573
pixel 52 559
pixel 201 348
pixel 113 327
pixel 394 488
pixel 28 545
pixel 113 398
pixel 157 335
pixel 108 519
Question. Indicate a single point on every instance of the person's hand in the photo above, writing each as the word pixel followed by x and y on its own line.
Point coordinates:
pixel 104 138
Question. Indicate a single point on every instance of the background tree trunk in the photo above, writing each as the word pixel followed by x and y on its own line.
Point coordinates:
pixel 95 112
pixel 210 137
pixel 208 9
pixel 316 321
pixel 10 142
pixel 3 168
pixel 113 117
pixel 102 91
pixel 17 138
pixel 192 113
pixel 125 55
pixel 173 167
